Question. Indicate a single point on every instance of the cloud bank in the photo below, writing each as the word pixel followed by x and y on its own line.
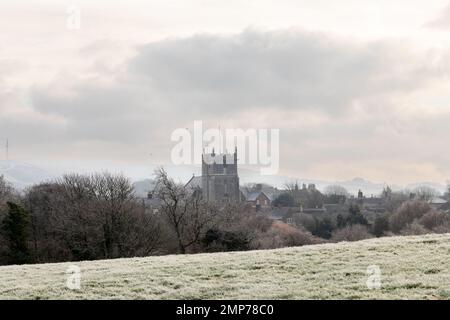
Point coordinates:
pixel 374 109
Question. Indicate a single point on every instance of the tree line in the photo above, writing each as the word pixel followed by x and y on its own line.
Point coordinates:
pixel 88 217
pixel 404 215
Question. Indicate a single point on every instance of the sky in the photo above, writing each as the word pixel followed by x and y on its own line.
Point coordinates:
pixel 356 88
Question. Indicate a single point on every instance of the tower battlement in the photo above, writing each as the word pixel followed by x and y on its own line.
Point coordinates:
pixel 220 179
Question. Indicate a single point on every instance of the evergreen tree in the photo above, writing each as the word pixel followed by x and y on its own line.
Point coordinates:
pixel 284 200
pixel 355 216
pixel 341 221
pixel 380 225
pixel 15 227
pixel 324 228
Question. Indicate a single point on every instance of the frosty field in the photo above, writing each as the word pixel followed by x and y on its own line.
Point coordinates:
pixel 415 267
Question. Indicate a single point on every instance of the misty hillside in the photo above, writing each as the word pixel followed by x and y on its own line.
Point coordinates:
pixel 22 174
pixel 416 267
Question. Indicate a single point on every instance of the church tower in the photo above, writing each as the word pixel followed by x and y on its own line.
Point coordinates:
pixel 220 180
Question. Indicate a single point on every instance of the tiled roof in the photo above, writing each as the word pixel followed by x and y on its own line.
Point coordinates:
pixel 194 182
pixel 252 196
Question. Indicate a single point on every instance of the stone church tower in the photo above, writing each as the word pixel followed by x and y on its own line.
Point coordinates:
pixel 220 180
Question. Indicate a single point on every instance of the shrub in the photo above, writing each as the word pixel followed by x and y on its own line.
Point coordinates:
pixel 324 228
pixel 380 225
pixel 284 200
pixel 355 216
pixel 354 232
pixel 306 221
pixel 414 228
pixel 434 219
pixel 444 228
pixel 407 213
pixel 216 240
pixel 283 235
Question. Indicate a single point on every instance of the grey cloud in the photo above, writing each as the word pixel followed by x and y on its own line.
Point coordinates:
pixel 115 113
pixel 171 83
pixel 214 76
pixel 290 69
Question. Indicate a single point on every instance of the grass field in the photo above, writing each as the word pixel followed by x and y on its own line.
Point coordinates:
pixel 411 268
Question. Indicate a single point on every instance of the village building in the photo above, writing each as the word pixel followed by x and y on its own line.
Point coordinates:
pixel 257 199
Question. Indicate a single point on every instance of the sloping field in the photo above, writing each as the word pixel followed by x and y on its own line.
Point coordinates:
pixel 411 268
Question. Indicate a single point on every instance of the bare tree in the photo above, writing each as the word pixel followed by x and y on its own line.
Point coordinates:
pixel 425 193
pixel 6 191
pixel 290 186
pixel 189 215
pixel 396 199
pixel 336 190
pixel 90 217
pixel 48 220
pixel 114 202
pixel 336 194
pixel 110 208
pixel 407 213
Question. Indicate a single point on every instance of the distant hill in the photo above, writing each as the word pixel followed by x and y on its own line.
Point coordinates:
pixel 369 188
pixel 437 186
pixel 22 175
pixel 414 267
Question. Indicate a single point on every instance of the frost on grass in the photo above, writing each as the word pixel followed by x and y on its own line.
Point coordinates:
pixel 411 268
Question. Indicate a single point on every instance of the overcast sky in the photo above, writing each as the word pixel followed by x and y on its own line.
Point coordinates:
pixel 357 88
